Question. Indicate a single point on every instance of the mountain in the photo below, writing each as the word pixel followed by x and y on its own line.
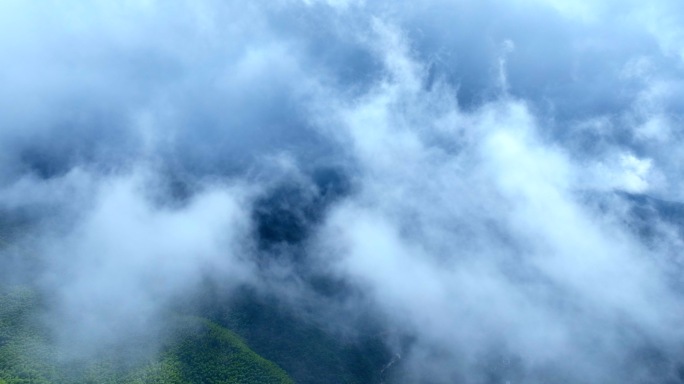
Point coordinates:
pixel 199 351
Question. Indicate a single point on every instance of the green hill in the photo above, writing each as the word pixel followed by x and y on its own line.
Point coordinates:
pixel 308 353
pixel 200 352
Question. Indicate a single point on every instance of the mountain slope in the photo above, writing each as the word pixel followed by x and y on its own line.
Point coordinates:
pixel 199 352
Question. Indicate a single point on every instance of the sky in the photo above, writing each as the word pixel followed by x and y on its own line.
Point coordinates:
pixel 499 182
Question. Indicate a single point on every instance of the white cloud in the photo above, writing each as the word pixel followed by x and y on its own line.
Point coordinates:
pixel 488 245
pixel 126 259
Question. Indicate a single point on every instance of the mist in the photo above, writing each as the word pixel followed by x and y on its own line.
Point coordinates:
pixel 495 187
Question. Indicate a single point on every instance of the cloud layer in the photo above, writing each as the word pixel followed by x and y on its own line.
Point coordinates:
pixel 499 183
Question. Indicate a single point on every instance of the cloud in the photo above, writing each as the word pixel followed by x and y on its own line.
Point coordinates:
pixel 114 272
pixel 482 247
pixel 475 174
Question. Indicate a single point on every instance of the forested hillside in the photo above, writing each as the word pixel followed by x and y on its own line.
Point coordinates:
pixel 199 352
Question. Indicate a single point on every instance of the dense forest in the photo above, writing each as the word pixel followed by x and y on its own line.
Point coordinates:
pixel 245 341
pixel 200 351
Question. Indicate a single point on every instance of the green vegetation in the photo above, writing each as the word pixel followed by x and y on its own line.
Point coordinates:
pixel 201 352
pixel 213 354
pixel 248 340
pixel 309 354
pixel 22 354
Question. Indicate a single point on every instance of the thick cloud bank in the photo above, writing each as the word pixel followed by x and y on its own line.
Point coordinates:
pixel 497 184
